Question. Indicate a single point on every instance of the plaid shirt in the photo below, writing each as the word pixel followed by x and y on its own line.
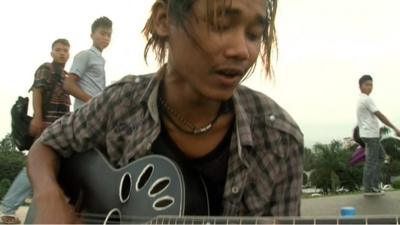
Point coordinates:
pixel 265 166
pixel 55 100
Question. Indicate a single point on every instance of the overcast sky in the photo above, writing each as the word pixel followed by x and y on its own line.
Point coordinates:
pixel 324 47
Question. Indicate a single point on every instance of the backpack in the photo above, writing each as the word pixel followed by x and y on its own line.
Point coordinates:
pixel 20 120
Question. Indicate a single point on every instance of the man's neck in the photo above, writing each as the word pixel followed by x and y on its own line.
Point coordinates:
pixel 62 65
pixel 99 49
pixel 365 93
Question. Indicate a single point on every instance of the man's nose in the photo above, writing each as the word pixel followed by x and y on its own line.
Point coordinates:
pixel 239 46
pixel 107 37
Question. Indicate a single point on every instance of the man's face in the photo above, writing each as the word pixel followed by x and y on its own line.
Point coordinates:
pixel 366 87
pixel 60 53
pixel 212 58
pixel 101 37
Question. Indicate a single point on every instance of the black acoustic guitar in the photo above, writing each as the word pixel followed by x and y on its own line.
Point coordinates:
pixel 152 190
pixel 148 187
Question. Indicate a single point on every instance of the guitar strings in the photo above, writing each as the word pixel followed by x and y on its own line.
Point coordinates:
pixel 100 218
pixel 165 219
pixel 96 218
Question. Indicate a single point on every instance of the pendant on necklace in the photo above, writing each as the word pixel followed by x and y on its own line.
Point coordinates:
pixel 203 129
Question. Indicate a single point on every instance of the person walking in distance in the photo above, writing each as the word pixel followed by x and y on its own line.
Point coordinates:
pixel 368 117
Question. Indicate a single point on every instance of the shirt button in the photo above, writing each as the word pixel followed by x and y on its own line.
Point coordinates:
pixel 272 117
pixel 235 190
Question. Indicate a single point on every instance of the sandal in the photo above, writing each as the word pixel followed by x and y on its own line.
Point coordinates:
pixel 10 219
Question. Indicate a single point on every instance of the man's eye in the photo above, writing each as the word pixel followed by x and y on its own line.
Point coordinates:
pixel 223 27
pixel 222 24
pixel 255 36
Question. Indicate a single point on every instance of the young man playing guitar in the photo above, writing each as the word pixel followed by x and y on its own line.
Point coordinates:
pixel 246 149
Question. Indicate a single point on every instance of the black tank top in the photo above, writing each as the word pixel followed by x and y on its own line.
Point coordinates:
pixel 210 169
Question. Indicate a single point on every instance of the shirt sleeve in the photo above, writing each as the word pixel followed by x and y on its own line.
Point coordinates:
pixel 81 130
pixel 42 77
pixel 276 180
pixel 287 194
pixel 369 103
pixel 80 63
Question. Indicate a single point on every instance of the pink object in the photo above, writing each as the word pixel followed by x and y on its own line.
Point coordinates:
pixel 358 156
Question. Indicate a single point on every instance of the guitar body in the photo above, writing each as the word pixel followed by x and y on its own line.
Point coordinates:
pixel 148 187
pixel 152 190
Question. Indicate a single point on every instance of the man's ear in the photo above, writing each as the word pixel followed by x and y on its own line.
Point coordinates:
pixel 160 19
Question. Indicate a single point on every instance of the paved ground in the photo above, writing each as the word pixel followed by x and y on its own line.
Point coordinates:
pixel 386 205
pixel 21 213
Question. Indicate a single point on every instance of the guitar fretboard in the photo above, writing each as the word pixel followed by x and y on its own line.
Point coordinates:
pixel 276 221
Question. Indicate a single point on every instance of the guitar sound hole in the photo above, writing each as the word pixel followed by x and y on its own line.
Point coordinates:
pixel 125 187
pixel 113 217
pixel 163 203
pixel 159 186
pixel 144 177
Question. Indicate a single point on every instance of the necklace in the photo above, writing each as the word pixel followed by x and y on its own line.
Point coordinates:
pixel 192 129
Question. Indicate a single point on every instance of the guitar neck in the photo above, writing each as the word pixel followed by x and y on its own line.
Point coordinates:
pixel 275 220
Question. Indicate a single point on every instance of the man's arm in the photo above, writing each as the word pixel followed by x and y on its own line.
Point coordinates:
pixel 385 120
pixel 43 166
pixel 36 126
pixel 71 86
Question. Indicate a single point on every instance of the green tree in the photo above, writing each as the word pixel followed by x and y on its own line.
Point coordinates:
pixel 7 144
pixel 308 159
pixel 392 147
pixel 385 131
pixel 332 169
pixel 325 165
pixel 11 160
pixel 335 181
pixel 350 176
